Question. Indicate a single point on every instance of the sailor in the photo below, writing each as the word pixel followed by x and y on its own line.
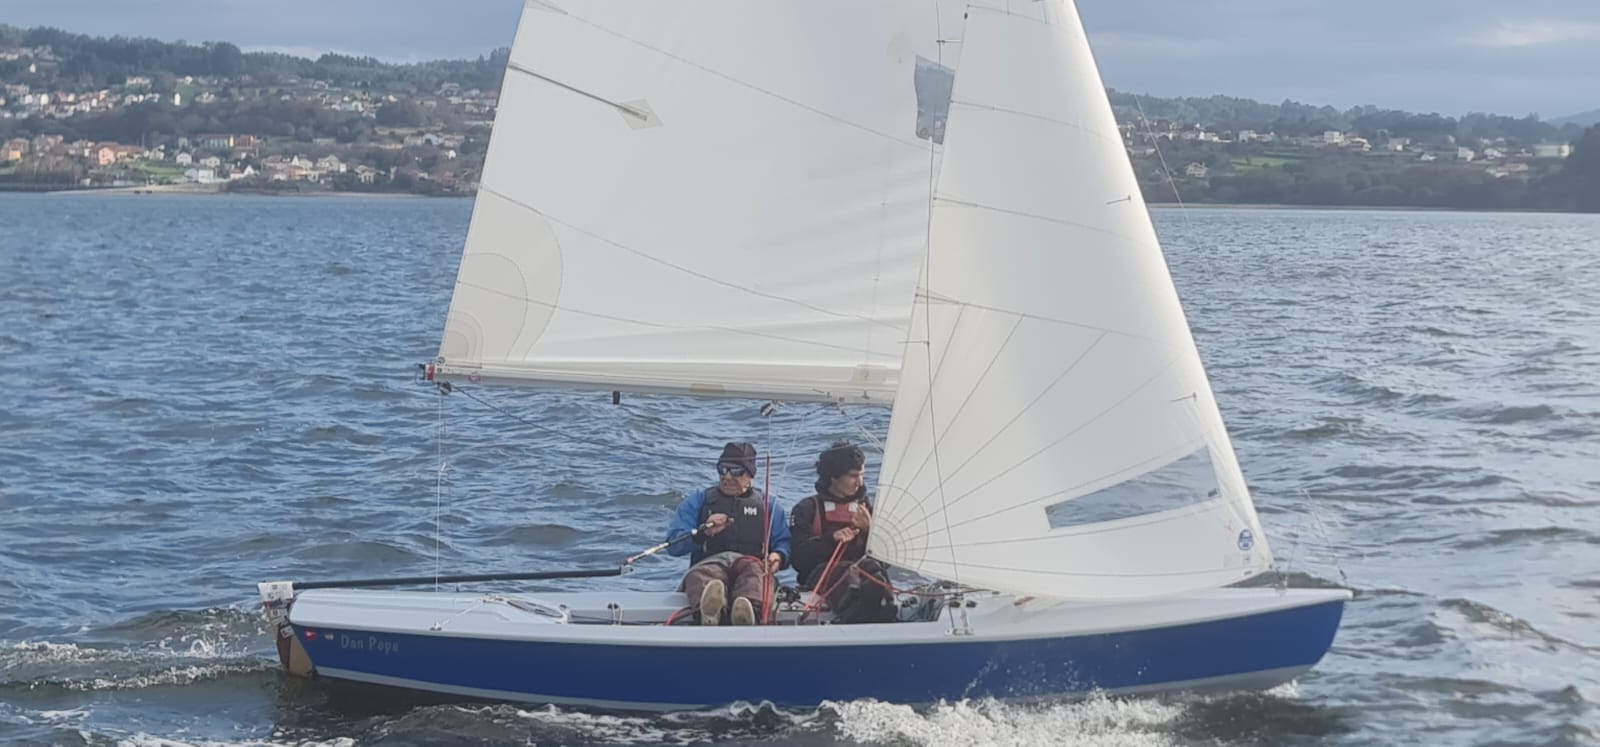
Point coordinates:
pixel 830 540
pixel 724 530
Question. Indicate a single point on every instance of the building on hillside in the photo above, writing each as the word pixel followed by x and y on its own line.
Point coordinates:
pixel 1552 150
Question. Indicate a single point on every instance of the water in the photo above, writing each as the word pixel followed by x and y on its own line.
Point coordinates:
pixel 201 393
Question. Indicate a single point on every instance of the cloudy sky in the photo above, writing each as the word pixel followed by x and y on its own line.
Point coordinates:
pixel 1450 56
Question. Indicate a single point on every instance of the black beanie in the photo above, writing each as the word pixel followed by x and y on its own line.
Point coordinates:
pixel 741 453
pixel 839 459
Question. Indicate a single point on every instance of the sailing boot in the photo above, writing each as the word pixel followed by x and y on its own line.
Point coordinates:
pixel 712 600
pixel 744 613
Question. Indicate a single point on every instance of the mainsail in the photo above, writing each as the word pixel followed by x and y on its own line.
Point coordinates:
pixel 722 198
pixel 1054 433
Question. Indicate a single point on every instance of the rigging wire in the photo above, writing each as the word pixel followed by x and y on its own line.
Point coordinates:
pixel 441 482
pixel 1167 171
pixel 600 447
pixel 927 306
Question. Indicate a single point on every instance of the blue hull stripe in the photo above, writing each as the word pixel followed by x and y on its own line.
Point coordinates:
pixel 1143 660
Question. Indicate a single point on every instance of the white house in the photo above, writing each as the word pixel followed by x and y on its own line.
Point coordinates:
pixel 331 164
pixel 1552 150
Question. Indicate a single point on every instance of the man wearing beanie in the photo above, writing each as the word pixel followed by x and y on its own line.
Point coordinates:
pixel 838 516
pixel 723 530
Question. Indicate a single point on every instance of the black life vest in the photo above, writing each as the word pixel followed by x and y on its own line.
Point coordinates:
pixel 748 532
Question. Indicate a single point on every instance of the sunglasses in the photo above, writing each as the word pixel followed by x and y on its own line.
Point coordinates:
pixel 731 469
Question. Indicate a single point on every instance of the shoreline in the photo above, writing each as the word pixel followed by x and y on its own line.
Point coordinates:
pixel 205 190
pixel 216 190
pixel 1351 208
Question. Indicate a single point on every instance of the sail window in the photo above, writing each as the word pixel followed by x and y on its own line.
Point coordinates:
pixel 934 84
pixel 1189 480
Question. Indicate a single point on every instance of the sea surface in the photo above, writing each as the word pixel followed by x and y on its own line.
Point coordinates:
pixel 199 393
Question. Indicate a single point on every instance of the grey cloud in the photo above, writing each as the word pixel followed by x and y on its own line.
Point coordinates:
pixel 1450 56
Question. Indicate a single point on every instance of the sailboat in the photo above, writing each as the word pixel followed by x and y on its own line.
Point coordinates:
pixel 917 204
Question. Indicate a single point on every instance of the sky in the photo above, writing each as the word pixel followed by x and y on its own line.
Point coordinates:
pixel 1446 56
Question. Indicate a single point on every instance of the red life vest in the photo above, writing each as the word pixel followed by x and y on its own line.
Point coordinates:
pixel 836 514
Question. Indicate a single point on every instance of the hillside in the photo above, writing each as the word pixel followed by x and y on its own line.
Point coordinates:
pixel 1585 119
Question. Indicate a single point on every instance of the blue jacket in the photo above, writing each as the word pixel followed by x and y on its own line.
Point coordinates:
pixel 687 519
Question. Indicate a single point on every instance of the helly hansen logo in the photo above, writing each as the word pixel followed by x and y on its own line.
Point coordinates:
pixel 751 511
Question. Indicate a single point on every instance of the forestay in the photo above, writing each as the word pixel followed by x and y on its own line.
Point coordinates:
pixel 1054 433
pixel 722 198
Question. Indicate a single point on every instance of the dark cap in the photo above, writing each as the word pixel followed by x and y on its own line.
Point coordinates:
pixel 839 459
pixel 741 453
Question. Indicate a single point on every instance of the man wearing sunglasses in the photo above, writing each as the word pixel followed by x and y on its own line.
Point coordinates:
pixel 724 530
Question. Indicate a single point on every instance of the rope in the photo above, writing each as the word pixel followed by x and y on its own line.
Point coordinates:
pixel 600 447
pixel 927 310
pixel 811 603
pixel 766 544
pixel 863 429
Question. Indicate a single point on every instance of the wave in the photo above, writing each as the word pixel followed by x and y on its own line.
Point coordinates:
pixel 1509 624
pixel 363 552
pixel 536 534
pixel 1097 721
pixel 1502 414
pixel 1536 535
pixel 44 665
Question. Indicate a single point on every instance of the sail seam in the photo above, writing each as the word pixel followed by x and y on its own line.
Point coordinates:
pixel 745 84
pixel 1053 320
pixel 659 325
pixel 1035 216
pixel 1164 458
pixel 1085 129
pixel 978 384
pixel 1012 14
pixel 944 355
pixel 1131 522
pixel 680 268
pixel 1092 574
pixel 1023 411
pixel 1069 434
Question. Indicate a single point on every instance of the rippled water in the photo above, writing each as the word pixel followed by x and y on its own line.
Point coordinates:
pixel 200 393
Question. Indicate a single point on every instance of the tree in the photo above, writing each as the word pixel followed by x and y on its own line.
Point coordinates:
pixel 226 59
pixel 1581 172
pixel 401 114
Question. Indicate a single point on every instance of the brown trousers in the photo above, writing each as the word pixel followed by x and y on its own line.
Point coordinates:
pixel 743 575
